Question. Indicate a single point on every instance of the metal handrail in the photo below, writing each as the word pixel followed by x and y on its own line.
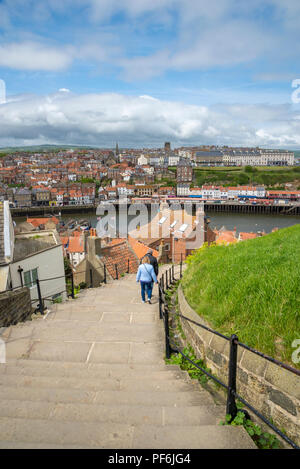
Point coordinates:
pixel 70 275
pixel 232 395
pixel 37 282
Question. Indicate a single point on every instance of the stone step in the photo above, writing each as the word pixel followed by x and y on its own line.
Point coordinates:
pixel 85 307
pixel 104 351
pixel 80 434
pixel 109 325
pixel 132 415
pixel 118 436
pixel 106 397
pixel 91 384
pixel 118 369
pixel 36 368
pixel 191 437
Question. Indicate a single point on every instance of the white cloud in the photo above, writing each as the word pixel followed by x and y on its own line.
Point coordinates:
pixel 200 34
pixel 34 56
pixel 102 119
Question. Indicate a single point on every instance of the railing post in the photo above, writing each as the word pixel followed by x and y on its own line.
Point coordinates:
pixel 91 278
pixel 105 280
pixel 163 282
pixel 167 285
pixel 160 299
pixel 181 265
pixel 117 274
pixel 72 285
pixel 166 319
pixel 173 273
pixel 128 266
pixel 41 304
pixel 231 408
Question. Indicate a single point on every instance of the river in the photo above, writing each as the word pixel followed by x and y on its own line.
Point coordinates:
pixel 242 222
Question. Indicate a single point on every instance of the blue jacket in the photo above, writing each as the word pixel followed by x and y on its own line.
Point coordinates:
pixel 146 273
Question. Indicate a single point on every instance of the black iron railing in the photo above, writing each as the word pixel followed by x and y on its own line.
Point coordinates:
pixel 166 280
pixel 40 300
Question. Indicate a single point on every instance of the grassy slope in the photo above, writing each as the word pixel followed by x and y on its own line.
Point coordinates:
pixel 235 176
pixel 252 289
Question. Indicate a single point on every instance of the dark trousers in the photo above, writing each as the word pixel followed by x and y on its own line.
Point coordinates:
pixel 146 287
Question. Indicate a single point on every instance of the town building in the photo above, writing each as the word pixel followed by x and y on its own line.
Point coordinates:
pixel 23 197
pixel 184 171
pixel 30 256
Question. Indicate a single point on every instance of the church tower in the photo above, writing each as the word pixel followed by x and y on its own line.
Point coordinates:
pixel 117 153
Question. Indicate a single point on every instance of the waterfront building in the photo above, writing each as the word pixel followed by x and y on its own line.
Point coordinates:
pixel 184 171
pixel 258 157
pixel 183 189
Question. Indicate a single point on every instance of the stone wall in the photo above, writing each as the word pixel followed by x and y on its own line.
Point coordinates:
pixel 15 307
pixel 272 390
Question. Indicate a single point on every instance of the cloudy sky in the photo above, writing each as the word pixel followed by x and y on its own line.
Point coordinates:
pixel 142 72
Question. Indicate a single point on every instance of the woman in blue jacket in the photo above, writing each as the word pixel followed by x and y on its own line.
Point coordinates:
pixel 146 275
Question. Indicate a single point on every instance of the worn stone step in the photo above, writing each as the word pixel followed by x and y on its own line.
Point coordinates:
pixel 109 329
pixel 132 415
pixel 118 436
pixel 106 397
pixel 191 437
pixel 36 368
pixel 122 368
pixel 80 307
pixel 104 351
pixel 35 445
pixel 81 434
pixel 126 384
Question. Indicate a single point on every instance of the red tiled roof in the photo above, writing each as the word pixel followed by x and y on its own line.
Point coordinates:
pixel 225 237
pixel 117 254
pixel 41 221
pixel 76 244
pixel 244 236
pixel 140 249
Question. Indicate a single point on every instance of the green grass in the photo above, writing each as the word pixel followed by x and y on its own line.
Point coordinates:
pixel 251 289
pixel 269 176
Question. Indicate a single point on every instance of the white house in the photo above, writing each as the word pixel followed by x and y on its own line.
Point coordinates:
pixel 142 160
pixel 183 189
pixel 212 192
pixel 39 255
pixel 29 256
pixel 173 160
pixel 154 160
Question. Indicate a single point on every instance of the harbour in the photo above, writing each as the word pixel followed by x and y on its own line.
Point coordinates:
pixel 242 221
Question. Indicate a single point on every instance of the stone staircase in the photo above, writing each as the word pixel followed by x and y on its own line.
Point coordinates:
pixel 91 374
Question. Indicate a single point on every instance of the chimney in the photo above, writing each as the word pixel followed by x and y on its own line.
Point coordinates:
pixel 93 247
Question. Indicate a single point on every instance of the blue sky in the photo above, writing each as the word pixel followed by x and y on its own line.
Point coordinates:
pixel 212 72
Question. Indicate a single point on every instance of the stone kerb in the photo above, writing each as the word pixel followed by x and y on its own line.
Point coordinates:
pixel 272 390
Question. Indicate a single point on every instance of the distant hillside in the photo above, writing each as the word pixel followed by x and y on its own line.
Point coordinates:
pixel 251 289
pixel 37 148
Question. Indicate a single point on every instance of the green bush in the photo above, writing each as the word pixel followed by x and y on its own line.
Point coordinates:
pixel 194 372
pixel 263 440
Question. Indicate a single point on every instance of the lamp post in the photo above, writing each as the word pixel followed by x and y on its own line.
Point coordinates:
pixel 20 270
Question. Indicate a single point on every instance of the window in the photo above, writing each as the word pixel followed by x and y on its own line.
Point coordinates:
pixel 30 277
